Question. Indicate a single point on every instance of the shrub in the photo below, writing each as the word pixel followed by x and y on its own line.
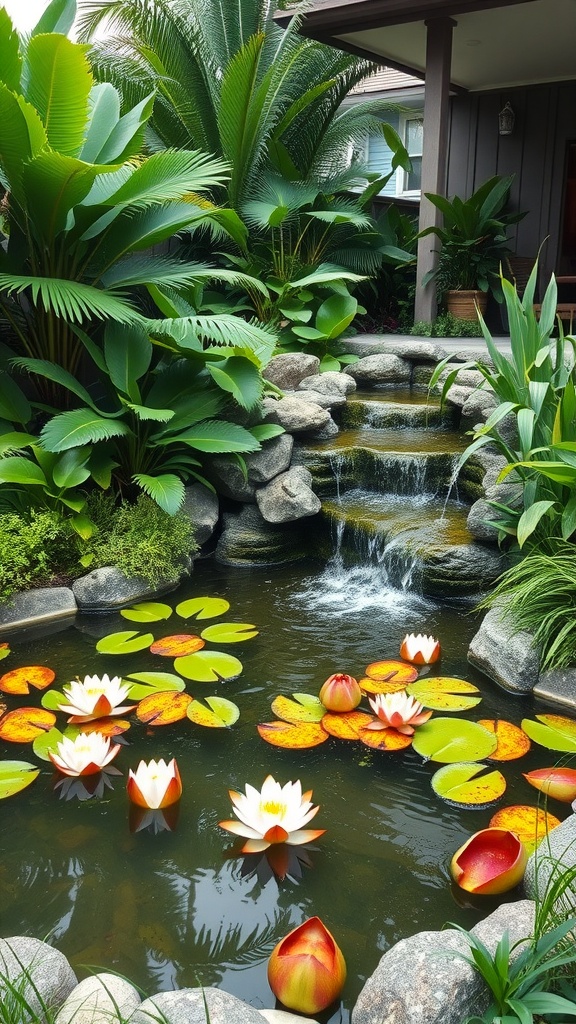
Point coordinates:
pixel 447 326
pixel 33 549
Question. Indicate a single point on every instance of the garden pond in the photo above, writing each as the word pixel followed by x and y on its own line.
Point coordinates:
pixel 180 908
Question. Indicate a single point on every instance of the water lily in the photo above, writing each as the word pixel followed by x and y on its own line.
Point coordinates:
pixel 340 693
pixel 87 754
pixel 155 784
pixel 306 970
pixel 276 814
pixel 559 783
pixel 397 711
pixel 492 861
pixel 420 649
pixel 95 698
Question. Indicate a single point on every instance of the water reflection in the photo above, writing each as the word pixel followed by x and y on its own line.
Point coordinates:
pixel 143 819
pixel 278 861
pixel 85 787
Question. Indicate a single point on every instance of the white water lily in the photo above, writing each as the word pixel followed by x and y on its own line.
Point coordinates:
pixel 87 754
pixel 275 814
pixel 420 649
pixel 397 711
pixel 95 698
pixel 155 784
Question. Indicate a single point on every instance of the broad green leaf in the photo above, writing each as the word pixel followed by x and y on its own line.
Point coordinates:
pixel 79 427
pixel 53 185
pixel 57 81
pixel 444 694
pixel 303 708
pixel 208 666
pixel 53 700
pixel 166 489
pixel 462 784
pixel 530 518
pixel 147 611
pixel 14 441
pixel 14 406
pixel 58 17
pixel 16 469
pixel 453 739
pixel 22 136
pixel 153 682
pixel 45 742
pixel 552 731
pixel 4 651
pixel 229 632
pixel 16 776
pixel 10 59
pixel 202 607
pixel 70 469
pixel 218 437
pixel 220 713
pixel 335 314
pixel 128 352
pixel 127 642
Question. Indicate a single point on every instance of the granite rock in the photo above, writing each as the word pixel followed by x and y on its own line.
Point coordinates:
pixel 288 497
pixel 247 540
pixel 31 607
pixel 296 415
pixel 505 654
pixel 288 369
pixel 201 507
pixel 381 369
pixel 478 524
pixel 331 400
pixel 100 999
pixel 330 383
pixel 407 347
pixel 555 856
pixel 41 973
pixel 109 587
pixel 192 1005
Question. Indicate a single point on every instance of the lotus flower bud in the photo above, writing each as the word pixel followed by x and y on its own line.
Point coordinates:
pixel 306 970
pixel 340 693
pixel 492 861
pixel 420 649
pixel 559 783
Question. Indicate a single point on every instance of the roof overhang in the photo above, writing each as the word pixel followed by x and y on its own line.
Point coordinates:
pixel 497 44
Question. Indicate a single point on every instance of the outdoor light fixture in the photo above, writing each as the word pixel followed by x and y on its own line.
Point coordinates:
pixel 506 119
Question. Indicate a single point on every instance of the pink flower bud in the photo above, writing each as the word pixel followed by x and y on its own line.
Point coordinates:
pixel 340 692
pixel 306 970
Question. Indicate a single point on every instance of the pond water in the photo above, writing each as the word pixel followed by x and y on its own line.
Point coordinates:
pixel 180 908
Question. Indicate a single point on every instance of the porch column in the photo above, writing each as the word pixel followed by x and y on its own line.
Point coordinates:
pixel 434 153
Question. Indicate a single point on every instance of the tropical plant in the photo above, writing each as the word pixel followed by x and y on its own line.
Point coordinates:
pixel 474 238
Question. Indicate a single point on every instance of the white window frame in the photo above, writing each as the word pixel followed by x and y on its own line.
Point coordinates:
pixel 415 115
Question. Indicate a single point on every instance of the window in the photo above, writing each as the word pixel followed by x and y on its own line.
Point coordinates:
pixel 408 183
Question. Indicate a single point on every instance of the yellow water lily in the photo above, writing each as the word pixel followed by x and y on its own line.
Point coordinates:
pixel 274 814
pixel 95 697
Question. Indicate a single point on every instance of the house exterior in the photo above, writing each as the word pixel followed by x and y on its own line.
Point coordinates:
pixel 477 57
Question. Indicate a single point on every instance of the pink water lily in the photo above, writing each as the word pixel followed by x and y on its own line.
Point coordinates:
pixel 276 814
pixel 397 711
pixel 95 698
pixel 420 649
pixel 87 754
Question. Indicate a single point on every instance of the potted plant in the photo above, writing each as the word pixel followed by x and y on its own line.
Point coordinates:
pixel 474 242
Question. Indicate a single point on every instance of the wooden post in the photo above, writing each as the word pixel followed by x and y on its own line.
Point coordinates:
pixel 434 154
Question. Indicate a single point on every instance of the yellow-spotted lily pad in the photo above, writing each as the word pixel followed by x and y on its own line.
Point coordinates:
pixel 462 785
pixel 152 682
pixel 293 737
pixel 220 713
pixel 347 725
pixel 24 724
pixel 553 731
pixel 163 708
pixel 449 740
pixel 16 776
pixel 124 642
pixel 304 708
pixel 208 666
pixel 147 611
pixel 512 741
pixel 202 608
pixel 444 694
pixel 529 823
pixel 229 632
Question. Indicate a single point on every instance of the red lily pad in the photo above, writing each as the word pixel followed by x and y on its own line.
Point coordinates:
pixel 298 710
pixel 530 824
pixel 177 646
pixel 391 668
pixel 19 680
pixel 346 725
pixel 384 739
pixel 163 708
pixel 512 741
pixel 293 737
pixel 24 724
pixel 462 785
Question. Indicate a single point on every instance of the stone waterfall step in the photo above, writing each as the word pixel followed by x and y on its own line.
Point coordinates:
pixel 361 410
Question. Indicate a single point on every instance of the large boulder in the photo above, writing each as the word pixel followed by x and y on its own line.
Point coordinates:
pixel 273 458
pixel 201 507
pixel 506 654
pixel 330 383
pixel 247 539
pixel 459 569
pixel 100 999
pixel 330 400
pixel 45 604
pixel 288 369
pixel 296 415
pixel 478 522
pixel 554 857
pixel 40 974
pixel 195 1006
pixel 557 684
pixel 381 369
pixel 409 347
pixel 109 587
pixel 478 406
pixel 288 497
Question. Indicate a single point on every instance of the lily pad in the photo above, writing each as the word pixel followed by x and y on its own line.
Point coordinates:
pixel 444 694
pixel 202 607
pixel 53 700
pixel 293 737
pixel 368 685
pixel 208 666
pixel 552 731
pixel 229 632
pixel 391 668
pixel 47 741
pixel 152 682
pixel 557 782
pixel 384 739
pixel 16 776
pixel 449 740
pixel 220 713
pixel 461 785
pixel 512 741
pixel 177 646
pixel 147 611
pixel 346 725
pixel 106 726
pixel 19 680
pixel 298 710
pixel 529 823
pixel 4 652
pixel 163 708
pixel 24 724
pixel 124 642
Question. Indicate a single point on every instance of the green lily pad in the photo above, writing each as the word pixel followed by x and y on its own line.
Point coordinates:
pixel 153 682
pixel 148 611
pixel 127 642
pixel 552 731
pixel 202 607
pixel 16 776
pixel 4 652
pixel 208 666
pixel 220 713
pixel 453 739
pixel 304 708
pixel 53 700
pixel 229 632
pixel 444 694
pixel 47 741
pixel 461 784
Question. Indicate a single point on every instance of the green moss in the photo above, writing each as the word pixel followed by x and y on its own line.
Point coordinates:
pixel 33 549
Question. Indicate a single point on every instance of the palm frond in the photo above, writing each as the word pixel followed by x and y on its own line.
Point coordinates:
pixel 70 300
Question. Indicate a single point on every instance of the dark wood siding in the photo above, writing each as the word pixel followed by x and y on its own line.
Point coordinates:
pixel 535 153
